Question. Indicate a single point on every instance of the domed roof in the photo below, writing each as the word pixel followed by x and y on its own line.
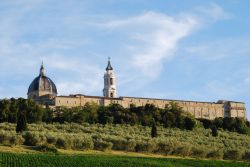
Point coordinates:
pixel 42 83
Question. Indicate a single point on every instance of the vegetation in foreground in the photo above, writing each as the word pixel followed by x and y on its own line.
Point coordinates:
pixel 198 143
pixel 46 160
pixel 148 129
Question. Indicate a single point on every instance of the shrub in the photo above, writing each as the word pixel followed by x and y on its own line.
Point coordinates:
pixel 184 150
pixel 246 155
pixel 215 154
pixel 165 148
pixel 154 130
pixel 102 145
pixel 122 144
pixel 198 152
pixel 3 138
pixel 82 142
pixel 15 140
pixel 189 123
pixel 62 143
pixel 51 139
pixel 146 146
pixel 141 147
pixel 47 148
pixel 233 155
pixel 21 122
pixel 214 131
pixel 206 123
pixel 31 139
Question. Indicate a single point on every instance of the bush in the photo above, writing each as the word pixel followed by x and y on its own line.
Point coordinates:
pixel 184 150
pixel 190 123
pixel 3 138
pixel 141 147
pixel 149 146
pixel 214 131
pixel 47 148
pixel 63 143
pixel 233 155
pixel 122 144
pixel 153 130
pixel 215 154
pixel 198 152
pixel 166 148
pixel 51 139
pixel 31 139
pixel 246 155
pixel 102 145
pixel 16 140
pixel 82 142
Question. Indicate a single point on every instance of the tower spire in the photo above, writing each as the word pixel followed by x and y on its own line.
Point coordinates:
pixel 42 70
pixel 109 67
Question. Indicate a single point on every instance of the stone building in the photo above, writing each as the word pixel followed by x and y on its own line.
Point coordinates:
pixel 44 91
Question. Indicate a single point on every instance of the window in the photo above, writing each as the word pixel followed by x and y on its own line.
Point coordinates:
pixel 111 81
pixel 111 94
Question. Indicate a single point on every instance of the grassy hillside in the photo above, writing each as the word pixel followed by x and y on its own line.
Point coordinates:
pixel 45 160
pixel 198 143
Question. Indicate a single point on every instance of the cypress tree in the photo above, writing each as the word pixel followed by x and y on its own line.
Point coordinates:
pixel 21 122
pixel 214 131
pixel 154 130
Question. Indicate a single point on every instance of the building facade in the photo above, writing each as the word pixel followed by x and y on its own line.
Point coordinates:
pixel 43 91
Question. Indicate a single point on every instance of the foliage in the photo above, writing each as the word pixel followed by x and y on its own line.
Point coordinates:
pixel 47 148
pixel 214 131
pixel 198 143
pixel 233 154
pixel 21 122
pixel 154 130
pixel 239 125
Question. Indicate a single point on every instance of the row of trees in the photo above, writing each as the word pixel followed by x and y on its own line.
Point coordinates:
pixel 239 125
pixel 22 110
pixel 171 116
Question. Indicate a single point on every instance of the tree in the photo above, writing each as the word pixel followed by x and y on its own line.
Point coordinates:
pixel 206 123
pixel 189 123
pixel 154 130
pixel 214 131
pixel 21 122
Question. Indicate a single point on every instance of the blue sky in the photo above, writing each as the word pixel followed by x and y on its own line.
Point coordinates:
pixel 192 49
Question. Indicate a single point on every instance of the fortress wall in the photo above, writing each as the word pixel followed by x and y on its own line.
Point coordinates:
pixel 67 101
pixel 205 110
pixel 237 110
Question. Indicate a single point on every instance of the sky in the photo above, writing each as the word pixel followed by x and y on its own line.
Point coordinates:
pixel 186 50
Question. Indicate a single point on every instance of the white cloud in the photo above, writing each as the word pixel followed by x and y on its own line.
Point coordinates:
pixel 154 37
pixel 214 11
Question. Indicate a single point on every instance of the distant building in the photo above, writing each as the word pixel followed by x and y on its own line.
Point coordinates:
pixel 43 91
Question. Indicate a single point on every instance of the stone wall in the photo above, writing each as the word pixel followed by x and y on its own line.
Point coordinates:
pixel 208 110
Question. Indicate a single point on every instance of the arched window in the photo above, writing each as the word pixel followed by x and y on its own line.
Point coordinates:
pixel 111 94
pixel 111 81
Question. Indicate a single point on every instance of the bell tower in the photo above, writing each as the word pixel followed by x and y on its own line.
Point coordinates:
pixel 109 89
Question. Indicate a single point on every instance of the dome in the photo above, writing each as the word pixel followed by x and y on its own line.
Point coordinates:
pixel 42 85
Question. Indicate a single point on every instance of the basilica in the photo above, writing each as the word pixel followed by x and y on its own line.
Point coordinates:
pixel 43 91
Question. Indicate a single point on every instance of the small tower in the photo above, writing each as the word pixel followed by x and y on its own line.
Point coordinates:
pixel 109 89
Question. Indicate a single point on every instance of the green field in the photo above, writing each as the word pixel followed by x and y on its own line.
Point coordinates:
pixel 47 160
